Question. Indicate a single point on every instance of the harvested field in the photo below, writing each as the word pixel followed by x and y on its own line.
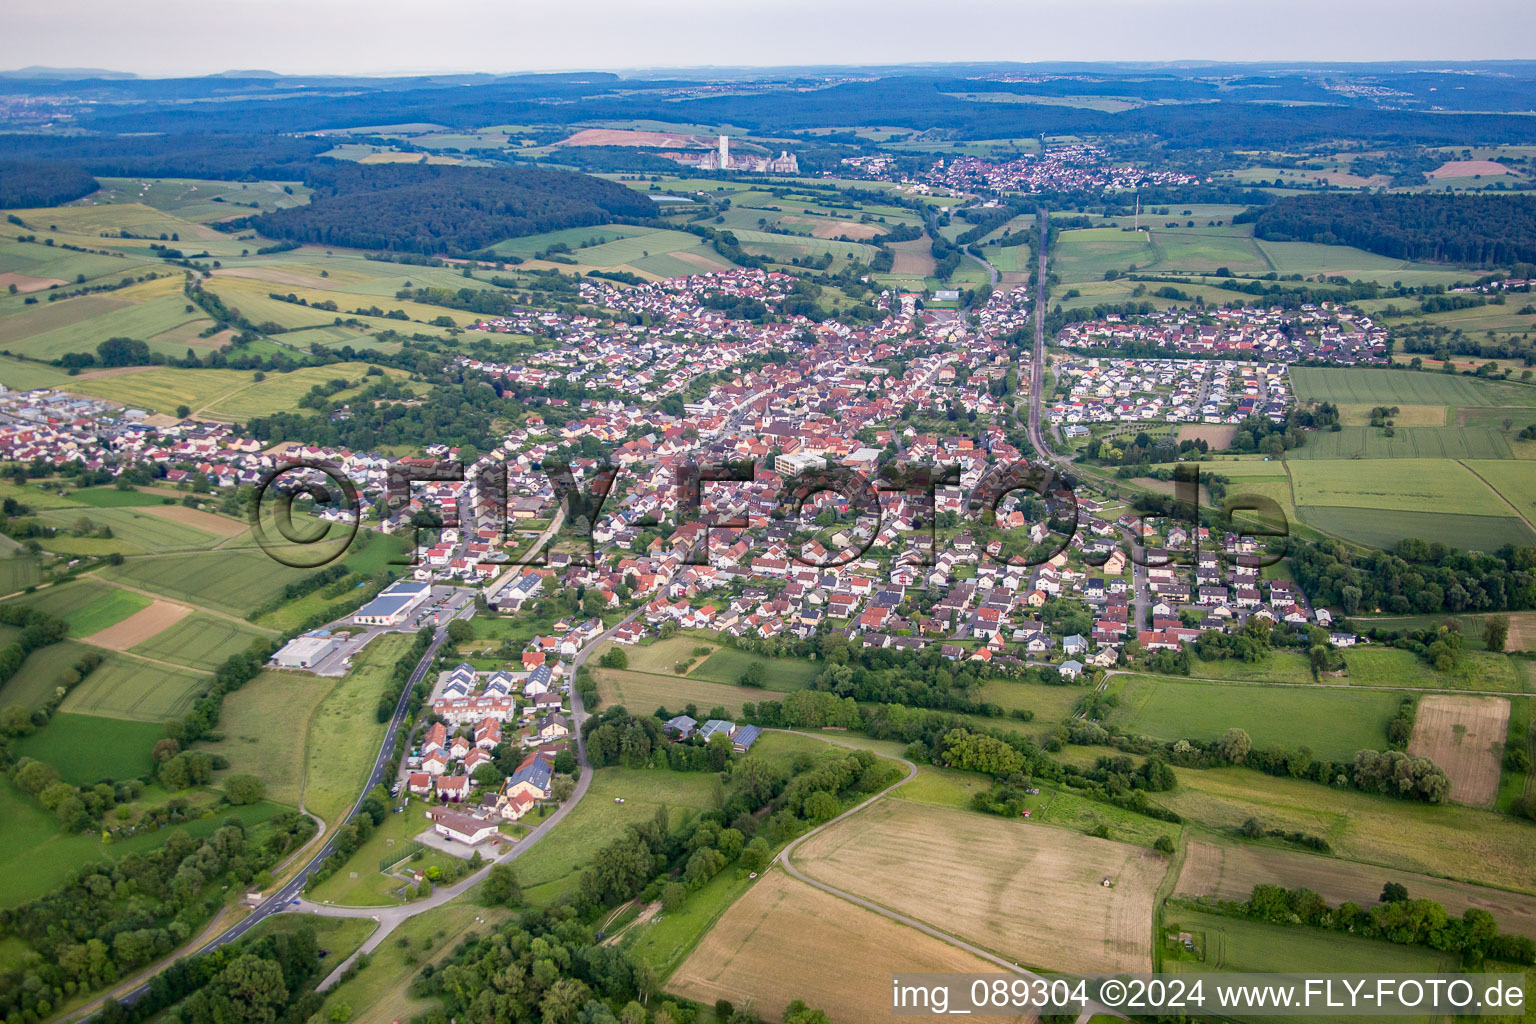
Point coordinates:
pixel 786 940
pixel 913 258
pixel 1003 883
pixel 1217 435
pixel 1465 736
pixel 140 626
pixel 26 284
pixel 1468 168
pixel 221 526
pixel 277 275
pixel 844 228
pixel 1226 871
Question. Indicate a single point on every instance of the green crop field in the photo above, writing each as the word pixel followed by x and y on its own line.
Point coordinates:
pixel 1515 482
pixel 88 605
pixel 1049 703
pixel 199 200
pixel 1383 528
pixel 134 531
pixel 1207 249
pixel 86 749
pixel 727 664
pixel 1333 723
pixel 644 692
pixel 1406 443
pixel 20 375
pixel 1449 840
pixel 111 497
pixel 233 581
pixel 1408 485
pixel 126 687
pixel 1403 387
pixel 199 641
pixel 17 572
pixel 226 394
pixel 1085 254
pixel 575 238
pixel 38 679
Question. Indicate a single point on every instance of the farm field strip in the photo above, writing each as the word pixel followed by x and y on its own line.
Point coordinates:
pixel 1001 875
pixel 1465 736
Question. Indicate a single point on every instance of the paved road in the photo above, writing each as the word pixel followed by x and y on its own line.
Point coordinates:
pixel 390 917
pixel 284 897
pixel 1037 359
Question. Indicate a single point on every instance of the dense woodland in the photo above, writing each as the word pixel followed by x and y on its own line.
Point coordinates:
pixel 40 183
pixel 197 154
pixel 430 209
pixel 1485 230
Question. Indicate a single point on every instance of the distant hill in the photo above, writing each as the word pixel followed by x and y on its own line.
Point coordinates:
pixel 41 71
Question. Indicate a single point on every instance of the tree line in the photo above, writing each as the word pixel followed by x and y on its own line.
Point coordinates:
pixel 1486 230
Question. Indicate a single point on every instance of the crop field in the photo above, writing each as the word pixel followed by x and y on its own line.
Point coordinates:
pixel 220 394
pixel 576 238
pixel 89 748
pixel 786 940
pixel 1515 482
pixel 1084 254
pixel 125 687
pixel 147 311
pixel 1465 736
pixel 1386 666
pixel 1403 387
pixel 644 692
pixel 207 522
pixel 1207 249
pixel 230 581
pixel 1334 723
pixel 1406 415
pixel 198 200
pixel 39 677
pixel 265 725
pixel 1409 485
pixel 1406 443
pixel 1449 840
pixel 149 620
pixel 88 605
pixel 134 531
pixel 1383 528
pixel 20 375
pixel 1229 871
pixel 782 248
pixel 198 641
pixel 727 664
pixel 999 877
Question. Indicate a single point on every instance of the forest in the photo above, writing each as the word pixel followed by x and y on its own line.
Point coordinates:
pixel 185 155
pixel 40 183
pixel 1483 230
pixel 429 209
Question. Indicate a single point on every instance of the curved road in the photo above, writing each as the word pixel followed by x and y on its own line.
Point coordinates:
pixel 390 917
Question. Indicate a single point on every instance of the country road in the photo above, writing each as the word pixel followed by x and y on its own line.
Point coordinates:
pixel 390 917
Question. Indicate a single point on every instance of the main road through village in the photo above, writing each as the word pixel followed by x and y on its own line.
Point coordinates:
pixel 289 897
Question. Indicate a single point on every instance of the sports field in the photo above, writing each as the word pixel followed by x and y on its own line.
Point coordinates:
pixel 786 940
pixel 1465 736
pixel 1231 870
pixel 126 687
pixel 1001 880
pixel 199 641
pixel 1334 723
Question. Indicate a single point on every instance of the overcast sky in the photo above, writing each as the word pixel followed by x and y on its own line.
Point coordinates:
pixel 179 37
